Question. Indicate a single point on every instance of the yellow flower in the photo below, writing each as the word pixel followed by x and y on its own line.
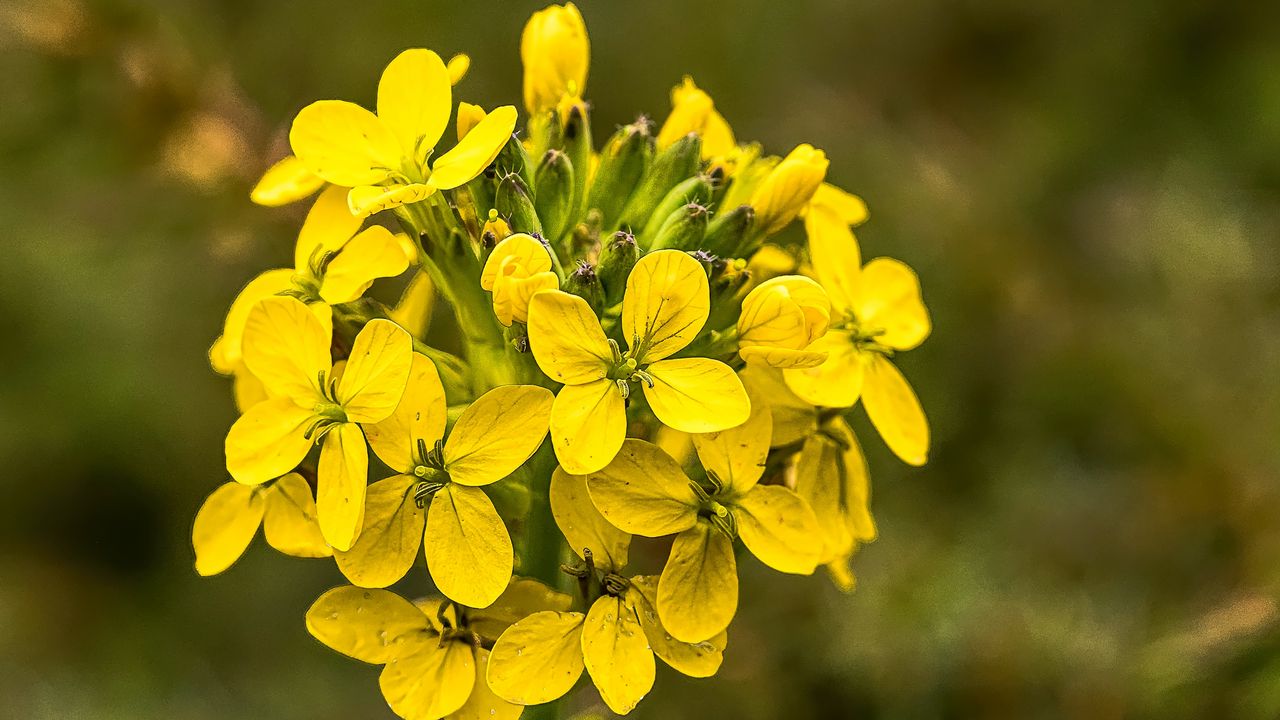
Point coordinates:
pixel 287 348
pixel 383 158
pixel 468 550
pixel 334 262
pixel 433 665
pixel 692 111
pixel 788 188
pixel 518 267
pixel 831 475
pixel 876 311
pixel 665 305
pixel 556 53
pixel 287 181
pixel 645 492
pixel 780 318
pixel 230 516
pixel 541 657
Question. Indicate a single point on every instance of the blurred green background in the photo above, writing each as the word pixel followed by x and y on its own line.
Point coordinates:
pixel 1089 191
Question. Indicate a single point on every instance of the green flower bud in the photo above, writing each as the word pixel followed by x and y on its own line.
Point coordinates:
pixel 513 160
pixel 683 229
pixel 623 161
pixel 728 231
pixel 514 203
pixel 576 142
pixel 584 283
pixel 671 166
pixel 696 189
pixel 554 203
pixel 617 258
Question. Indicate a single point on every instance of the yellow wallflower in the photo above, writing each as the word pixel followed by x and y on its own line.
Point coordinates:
pixel 288 349
pixel 334 262
pixel 468 550
pixel 664 307
pixel 383 158
pixel 518 267
pixel 644 491
pixel 230 516
pixel 556 54
pixel 693 111
pixel 433 665
pixel 780 319
pixel 876 310
pixel 788 188
pixel 541 657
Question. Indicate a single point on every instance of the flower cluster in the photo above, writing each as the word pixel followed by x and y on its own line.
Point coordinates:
pixel 639 345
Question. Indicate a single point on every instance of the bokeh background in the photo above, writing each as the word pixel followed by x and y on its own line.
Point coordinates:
pixel 1089 191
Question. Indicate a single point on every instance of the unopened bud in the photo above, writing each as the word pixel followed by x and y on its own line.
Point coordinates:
pixel 514 203
pixel 584 283
pixel 683 229
pixel 554 202
pixel 788 188
pixel 669 167
pixel 617 257
pixel 694 190
pixel 623 161
pixel 728 231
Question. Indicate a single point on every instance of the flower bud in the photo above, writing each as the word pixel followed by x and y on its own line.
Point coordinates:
pixel 514 159
pixel 695 190
pixel 515 204
pixel 788 188
pixel 554 202
pixel 780 318
pixel 692 111
pixel 556 53
pixel 683 229
pixel 617 258
pixel 676 163
pixel 584 283
pixel 726 233
pixel 623 161
pixel 516 269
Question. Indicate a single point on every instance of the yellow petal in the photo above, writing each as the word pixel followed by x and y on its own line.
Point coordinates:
pixel 483 703
pixel 390 536
pixel 697 395
pixel 588 425
pixel 420 414
pixel 372 254
pixel 779 527
pixel 248 390
pixel 469 552
pixel 583 525
pixel 891 302
pixel 287 348
pixel 856 495
pixel 556 54
pixel 836 259
pixel 377 372
pixel 413 312
pixel 666 304
pixel 698 590
pixel 785 312
pixel 226 355
pixel 287 181
pixel 511 296
pixel 737 455
pixel 474 152
pixel 845 205
pixel 644 491
pixel 468 117
pixel 522 598
pixel 784 358
pixel 344 143
pixel 328 226
pixel 895 411
pixel 343 476
pixel 290 523
pixel 268 441
pixel 818 481
pixel 793 418
pixel 700 659
pixel 616 654
pixel 431 683
pixel 366 200
pixel 415 99
pixel 537 659
pixel 497 433
pixel 458 66
pixel 837 382
pixel 375 626
pixel 566 338
pixel 224 526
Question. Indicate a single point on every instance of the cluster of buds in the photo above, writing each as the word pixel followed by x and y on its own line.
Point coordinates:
pixel 637 347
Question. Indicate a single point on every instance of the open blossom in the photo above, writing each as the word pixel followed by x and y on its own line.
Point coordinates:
pixel 596 341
